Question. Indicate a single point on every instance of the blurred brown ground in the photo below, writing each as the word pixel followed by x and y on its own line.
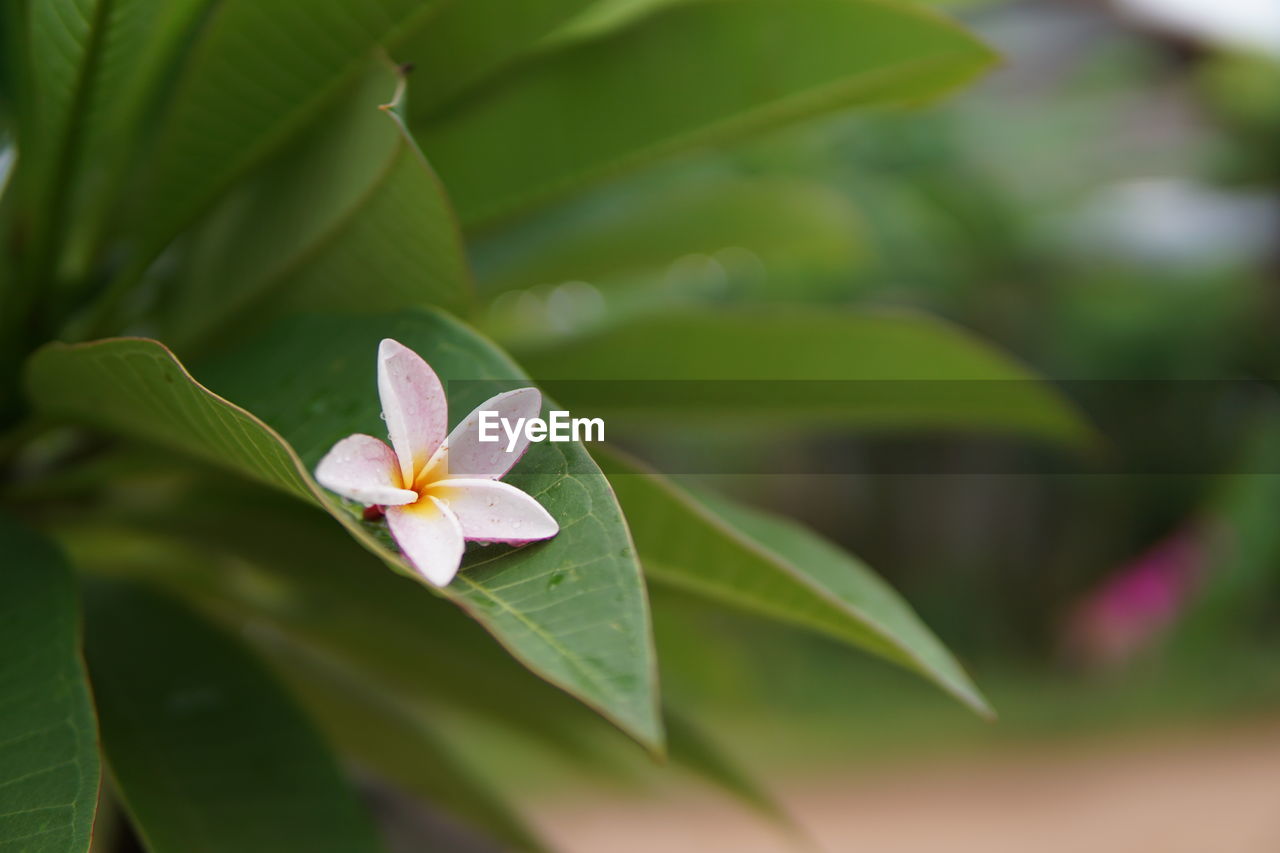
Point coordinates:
pixel 1203 792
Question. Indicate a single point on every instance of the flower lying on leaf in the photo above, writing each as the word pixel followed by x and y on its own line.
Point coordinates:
pixel 436 491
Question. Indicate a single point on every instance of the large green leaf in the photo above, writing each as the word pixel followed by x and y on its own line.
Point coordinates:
pixel 386 722
pixel 802 365
pixel 48 737
pixel 771 566
pixel 290 241
pixel 572 609
pixel 207 750
pixel 60 43
pixel 778 220
pixel 137 387
pixel 471 40
pixel 399 742
pixel 259 73
pixel 90 68
pixel 309 598
pixel 266 560
pixel 692 74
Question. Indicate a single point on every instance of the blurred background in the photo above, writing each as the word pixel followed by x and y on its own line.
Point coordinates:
pixel 1105 206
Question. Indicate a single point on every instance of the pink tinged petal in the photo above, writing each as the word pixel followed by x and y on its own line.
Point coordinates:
pixel 364 469
pixel 430 537
pixel 495 512
pixel 465 455
pixel 413 404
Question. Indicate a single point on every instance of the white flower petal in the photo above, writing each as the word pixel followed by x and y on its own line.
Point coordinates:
pixel 430 538
pixel 465 455
pixel 490 511
pixel 413 404
pixel 364 469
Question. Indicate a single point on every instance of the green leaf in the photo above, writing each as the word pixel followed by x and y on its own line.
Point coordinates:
pixel 260 559
pixel 206 748
pixel 778 220
pixel 470 41
pixel 572 609
pixel 288 241
pixel 305 595
pixel 690 75
pixel 800 366
pixel 91 68
pixel 399 742
pixel 138 388
pixel 773 567
pixel 48 736
pixel 696 750
pixel 257 76
pixel 61 45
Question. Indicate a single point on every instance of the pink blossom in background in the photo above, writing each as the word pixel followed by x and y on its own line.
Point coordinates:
pixel 1143 597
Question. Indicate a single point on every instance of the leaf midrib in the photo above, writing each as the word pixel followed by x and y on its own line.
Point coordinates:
pixel 50 239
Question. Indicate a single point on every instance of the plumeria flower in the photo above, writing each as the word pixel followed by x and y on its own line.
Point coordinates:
pixel 436 492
